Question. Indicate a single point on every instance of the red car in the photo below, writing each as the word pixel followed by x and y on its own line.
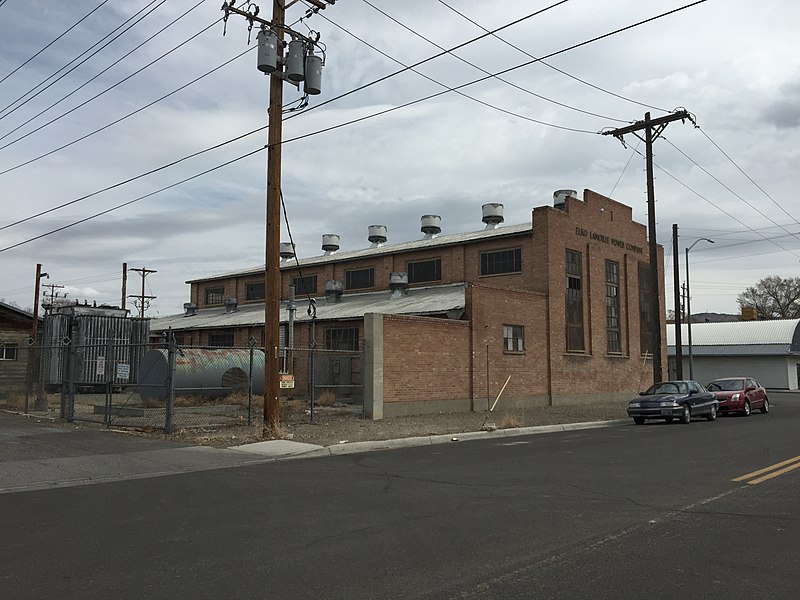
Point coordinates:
pixel 739 395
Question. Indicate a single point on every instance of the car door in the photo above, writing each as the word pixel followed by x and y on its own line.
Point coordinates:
pixel 699 398
pixel 754 393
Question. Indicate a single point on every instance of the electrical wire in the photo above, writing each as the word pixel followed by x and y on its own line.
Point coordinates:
pixel 548 65
pixel 625 168
pixel 481 69
pixel 131 18
pixel 303 136
pixel 102 72
pixel 73 26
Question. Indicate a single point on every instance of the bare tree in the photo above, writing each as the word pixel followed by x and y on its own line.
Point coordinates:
pixel 773 298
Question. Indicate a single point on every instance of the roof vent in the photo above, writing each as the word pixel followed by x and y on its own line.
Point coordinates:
pixel 333 291
pixel 492 214
pixel 330 243
pixel 189 309
pixel 231 305
pixel 287 250
pixel 377 235
pixel 560 198
pixel 431 226
pixel 398 283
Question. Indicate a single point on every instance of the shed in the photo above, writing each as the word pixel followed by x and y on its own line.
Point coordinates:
pixel 769 351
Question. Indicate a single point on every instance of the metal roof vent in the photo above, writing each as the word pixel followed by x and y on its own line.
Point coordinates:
pixel 431 226
pixel 330 243
pixel 492 214
pixel 189 309
pixel 231 305
pixel 286 250
pixel 377 235
pixel 398 283
pixel 333 291
pixel 560 198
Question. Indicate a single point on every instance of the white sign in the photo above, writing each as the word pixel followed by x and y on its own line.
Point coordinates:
pixel 123 370
pixel 287 381
pixel 101 366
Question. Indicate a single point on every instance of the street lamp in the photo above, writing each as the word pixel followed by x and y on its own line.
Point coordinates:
pixel 688 304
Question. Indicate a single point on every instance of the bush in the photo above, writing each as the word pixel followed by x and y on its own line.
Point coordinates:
pixel 326 398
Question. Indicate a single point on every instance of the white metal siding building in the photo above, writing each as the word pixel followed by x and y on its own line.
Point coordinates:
pixel 769 351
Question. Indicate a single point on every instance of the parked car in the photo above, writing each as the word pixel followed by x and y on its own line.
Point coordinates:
pixel 739 395
pixel 669 400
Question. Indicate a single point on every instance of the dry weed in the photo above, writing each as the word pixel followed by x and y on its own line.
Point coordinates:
pixel 326 398
pixel 509 421
pixel 294 406
pixel 16 402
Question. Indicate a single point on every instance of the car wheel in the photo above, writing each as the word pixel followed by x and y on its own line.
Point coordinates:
pixel 712 416
pixel 638 420
pixel 686 416
pixel 746 411
pixel 765 408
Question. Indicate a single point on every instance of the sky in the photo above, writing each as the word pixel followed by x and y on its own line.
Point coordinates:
pixel 105 105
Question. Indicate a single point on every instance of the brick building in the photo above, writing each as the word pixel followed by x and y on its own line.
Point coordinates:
pixel 553 311
pixel 15 330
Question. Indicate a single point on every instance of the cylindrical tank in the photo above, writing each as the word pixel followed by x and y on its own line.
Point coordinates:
pixel 330 243
pixel 295 61
pixel 492 214
pixel 431 226
pixel 313 85
pixel 200 372
pixel 377 235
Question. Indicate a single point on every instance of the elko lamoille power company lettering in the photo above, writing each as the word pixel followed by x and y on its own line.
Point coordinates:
pixel 599 237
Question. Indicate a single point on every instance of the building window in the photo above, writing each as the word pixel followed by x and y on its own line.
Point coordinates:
pixel 305 285
pixel 614 344
pixel 341 339
pixel 215 295
pixel 254 291
pixel 359 279
pixel 8 351
pixel 646 312
pixel 513 338
pixel 425 270
pixel 501 261
pixel 574 272
pixel 221 338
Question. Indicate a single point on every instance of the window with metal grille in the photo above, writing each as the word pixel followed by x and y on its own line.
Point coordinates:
pixel 501 261
pixel 254 290
pixel 425 270
pixel 215 295
pixel 305 285
pixel 341 338
pixel 221 338
pixel 358 279
pixel 8 351
pixel 614 343
pixel 646 311
pixel 574 308
pixel 513 338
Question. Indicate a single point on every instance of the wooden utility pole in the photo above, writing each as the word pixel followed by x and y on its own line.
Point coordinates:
pixel 141 297
pixel 124 284
pixel 652 130
pixel 676 291
pixel 33 355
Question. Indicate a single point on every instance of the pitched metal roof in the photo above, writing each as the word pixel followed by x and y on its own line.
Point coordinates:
pixel 418 301
pixel 438 241
pixel 745 336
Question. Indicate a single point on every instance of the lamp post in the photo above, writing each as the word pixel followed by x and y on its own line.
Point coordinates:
pixel 689 305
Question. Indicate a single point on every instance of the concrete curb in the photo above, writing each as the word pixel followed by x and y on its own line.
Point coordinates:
pixel 432 440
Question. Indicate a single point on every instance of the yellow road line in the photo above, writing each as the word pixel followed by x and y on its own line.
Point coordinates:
pixel 795 462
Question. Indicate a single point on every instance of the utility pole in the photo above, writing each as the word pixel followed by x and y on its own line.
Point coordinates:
pixel 141 297
pixel 300 65
pixel 676 290
pixel 124 284
pixel 652 130
pixel 53 294
pixel 33 355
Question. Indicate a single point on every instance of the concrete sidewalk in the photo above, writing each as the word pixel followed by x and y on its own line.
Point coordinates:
pixel 36 454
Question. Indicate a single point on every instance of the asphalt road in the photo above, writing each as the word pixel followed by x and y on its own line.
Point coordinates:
pixel 625 512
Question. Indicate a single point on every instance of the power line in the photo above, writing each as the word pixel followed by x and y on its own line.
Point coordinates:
pixel 474 66
pixel 548 65
pixel 73 26
pixel 131 18
pixel 102 72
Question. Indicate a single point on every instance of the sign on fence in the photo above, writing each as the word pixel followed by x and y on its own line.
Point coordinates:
pixel 287 381
pixel 123 370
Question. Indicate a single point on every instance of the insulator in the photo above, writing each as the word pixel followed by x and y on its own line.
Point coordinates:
pixel 295 59
pixel 313 84
pixel 267 51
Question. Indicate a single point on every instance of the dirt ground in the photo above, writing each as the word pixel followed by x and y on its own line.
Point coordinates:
pixel 338 425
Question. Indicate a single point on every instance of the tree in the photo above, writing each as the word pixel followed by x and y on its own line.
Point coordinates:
pixel 773 298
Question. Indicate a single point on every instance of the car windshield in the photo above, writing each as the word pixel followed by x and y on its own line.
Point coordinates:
pixel 667 387
pixel 725 385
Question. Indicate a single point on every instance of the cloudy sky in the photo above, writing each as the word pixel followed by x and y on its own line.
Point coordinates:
pixel 89 106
